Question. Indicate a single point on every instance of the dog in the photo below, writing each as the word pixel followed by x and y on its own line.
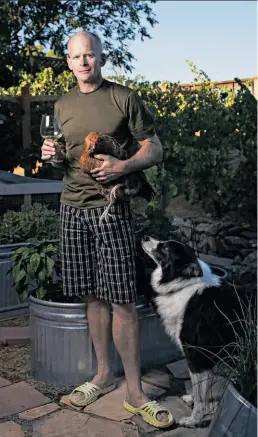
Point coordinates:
pixel 200 312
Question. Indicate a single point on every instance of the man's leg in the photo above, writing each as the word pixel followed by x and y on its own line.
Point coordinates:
pixel 126 339
pixel 99 320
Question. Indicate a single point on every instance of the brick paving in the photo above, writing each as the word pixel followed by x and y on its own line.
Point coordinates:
pixel 25 412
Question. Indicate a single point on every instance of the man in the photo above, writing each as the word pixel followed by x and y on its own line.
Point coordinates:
pixel 99 261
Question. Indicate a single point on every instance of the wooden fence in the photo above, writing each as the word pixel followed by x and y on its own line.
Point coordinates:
pixel 26 98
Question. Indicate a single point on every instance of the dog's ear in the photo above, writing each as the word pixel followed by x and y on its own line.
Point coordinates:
pixel 192 267
pixel 192 270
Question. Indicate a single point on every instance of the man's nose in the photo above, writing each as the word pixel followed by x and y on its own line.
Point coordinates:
pixel 83 60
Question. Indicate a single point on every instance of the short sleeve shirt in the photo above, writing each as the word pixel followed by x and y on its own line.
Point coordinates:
pixel 112 109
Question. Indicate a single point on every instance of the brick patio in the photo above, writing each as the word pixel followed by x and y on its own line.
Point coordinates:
pixel 25 412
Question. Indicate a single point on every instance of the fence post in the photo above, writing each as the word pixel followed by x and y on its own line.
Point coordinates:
pixel 255 87
pixel 25 104
pixel 26 126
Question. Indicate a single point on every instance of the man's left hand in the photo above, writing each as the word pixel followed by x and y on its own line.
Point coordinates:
pixel 111 169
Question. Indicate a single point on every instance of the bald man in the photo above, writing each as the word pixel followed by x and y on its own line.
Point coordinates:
pixel 98 261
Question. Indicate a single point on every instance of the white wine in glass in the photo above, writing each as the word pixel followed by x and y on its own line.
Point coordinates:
pixel 51 129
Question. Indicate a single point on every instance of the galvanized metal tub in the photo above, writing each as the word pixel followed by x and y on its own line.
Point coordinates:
pixel 10 306
pixel 234 417
pixel 61 347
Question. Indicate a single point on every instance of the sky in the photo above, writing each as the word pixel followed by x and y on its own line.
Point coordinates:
pixel 219 37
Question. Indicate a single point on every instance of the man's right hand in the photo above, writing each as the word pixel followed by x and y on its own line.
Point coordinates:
pixel 48 150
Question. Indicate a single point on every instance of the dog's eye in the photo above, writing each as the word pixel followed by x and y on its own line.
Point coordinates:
pixel 166 247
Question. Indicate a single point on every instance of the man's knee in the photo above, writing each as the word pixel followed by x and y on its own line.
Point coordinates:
pixel 93 302
pixel 125 311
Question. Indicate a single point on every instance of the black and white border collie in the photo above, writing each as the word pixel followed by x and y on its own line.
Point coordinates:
pixel 198 311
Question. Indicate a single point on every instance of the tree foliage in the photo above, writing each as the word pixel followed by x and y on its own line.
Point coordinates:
pixel 208 134
pixel 29 27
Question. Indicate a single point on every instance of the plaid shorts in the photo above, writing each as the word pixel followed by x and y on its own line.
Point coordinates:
pixel 98 260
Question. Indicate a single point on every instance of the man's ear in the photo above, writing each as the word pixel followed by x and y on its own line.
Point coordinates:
pixel 103 59
pixel 69 62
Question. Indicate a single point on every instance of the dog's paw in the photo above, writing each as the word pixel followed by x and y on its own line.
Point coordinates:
pixel 188 399
pixel 188 422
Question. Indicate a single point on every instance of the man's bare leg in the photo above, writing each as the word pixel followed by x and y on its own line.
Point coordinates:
pixel 126 339
pixel 99 321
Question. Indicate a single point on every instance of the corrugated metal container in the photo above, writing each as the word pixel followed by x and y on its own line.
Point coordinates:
pixel 9 303
pixel 62 351
pixel 234 417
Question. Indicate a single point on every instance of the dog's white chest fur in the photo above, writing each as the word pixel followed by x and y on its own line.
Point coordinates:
pixel 174 296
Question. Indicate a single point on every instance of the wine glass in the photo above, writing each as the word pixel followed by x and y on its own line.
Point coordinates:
pixel 51 128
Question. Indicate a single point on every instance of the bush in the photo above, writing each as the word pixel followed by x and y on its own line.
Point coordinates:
pixel 201 129
pixel 36 221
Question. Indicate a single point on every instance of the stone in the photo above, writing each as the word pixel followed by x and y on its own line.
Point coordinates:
pixel 63 423
pixel 229 229
pixel 245 252
pixel 249 234
pixel 236 241
pixel 164 380
pixel 15 335
pixel 179 369
pixel 203 244
pixel 242 275
pixel 144 426
pixel 212 230
pixel 221 248
pixel 216 261
pixel 186 432
pixel 65 400
pixel 35 413
pixel 19 397
pixel 250 259
pixel 110 406
pixel 97 427
pixel 212 244
pixel 202 227
pixel 4 382
pixel 237 259
pixel 130 429
pixel 184 225
pixel 202 219
pixel 10 429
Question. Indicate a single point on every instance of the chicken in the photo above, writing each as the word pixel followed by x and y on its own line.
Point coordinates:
pixel 134 184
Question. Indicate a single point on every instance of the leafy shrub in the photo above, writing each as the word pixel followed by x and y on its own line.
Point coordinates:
pixel 34 269
pixel 201 128
pixel 36 221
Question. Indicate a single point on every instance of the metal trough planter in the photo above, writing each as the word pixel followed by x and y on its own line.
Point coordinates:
pixel 62 351
pixel 10 306
pixel 234 417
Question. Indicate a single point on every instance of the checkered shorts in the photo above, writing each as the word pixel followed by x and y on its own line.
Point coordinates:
pixel 98 260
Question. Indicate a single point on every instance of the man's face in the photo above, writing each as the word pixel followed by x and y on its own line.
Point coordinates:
pixel 85 59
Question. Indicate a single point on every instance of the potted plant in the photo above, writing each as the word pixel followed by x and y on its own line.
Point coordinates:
pixel 236 415
pixel 61 347
pixel 16 229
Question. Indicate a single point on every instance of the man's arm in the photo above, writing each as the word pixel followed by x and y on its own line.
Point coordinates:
pixel 150 153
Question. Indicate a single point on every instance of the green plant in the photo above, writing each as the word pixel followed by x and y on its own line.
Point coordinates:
pixel 237 361
pixel 36 221
pixel 34 268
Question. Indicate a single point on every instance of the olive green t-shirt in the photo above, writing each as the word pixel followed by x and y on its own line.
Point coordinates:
pixel 111 109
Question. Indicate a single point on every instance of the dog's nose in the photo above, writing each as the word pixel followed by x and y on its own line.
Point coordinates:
pixel 145 238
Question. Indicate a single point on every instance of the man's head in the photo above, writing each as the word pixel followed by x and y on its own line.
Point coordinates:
pixel 85 56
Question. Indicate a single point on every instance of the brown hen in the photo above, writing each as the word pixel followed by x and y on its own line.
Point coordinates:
pixel 134 184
